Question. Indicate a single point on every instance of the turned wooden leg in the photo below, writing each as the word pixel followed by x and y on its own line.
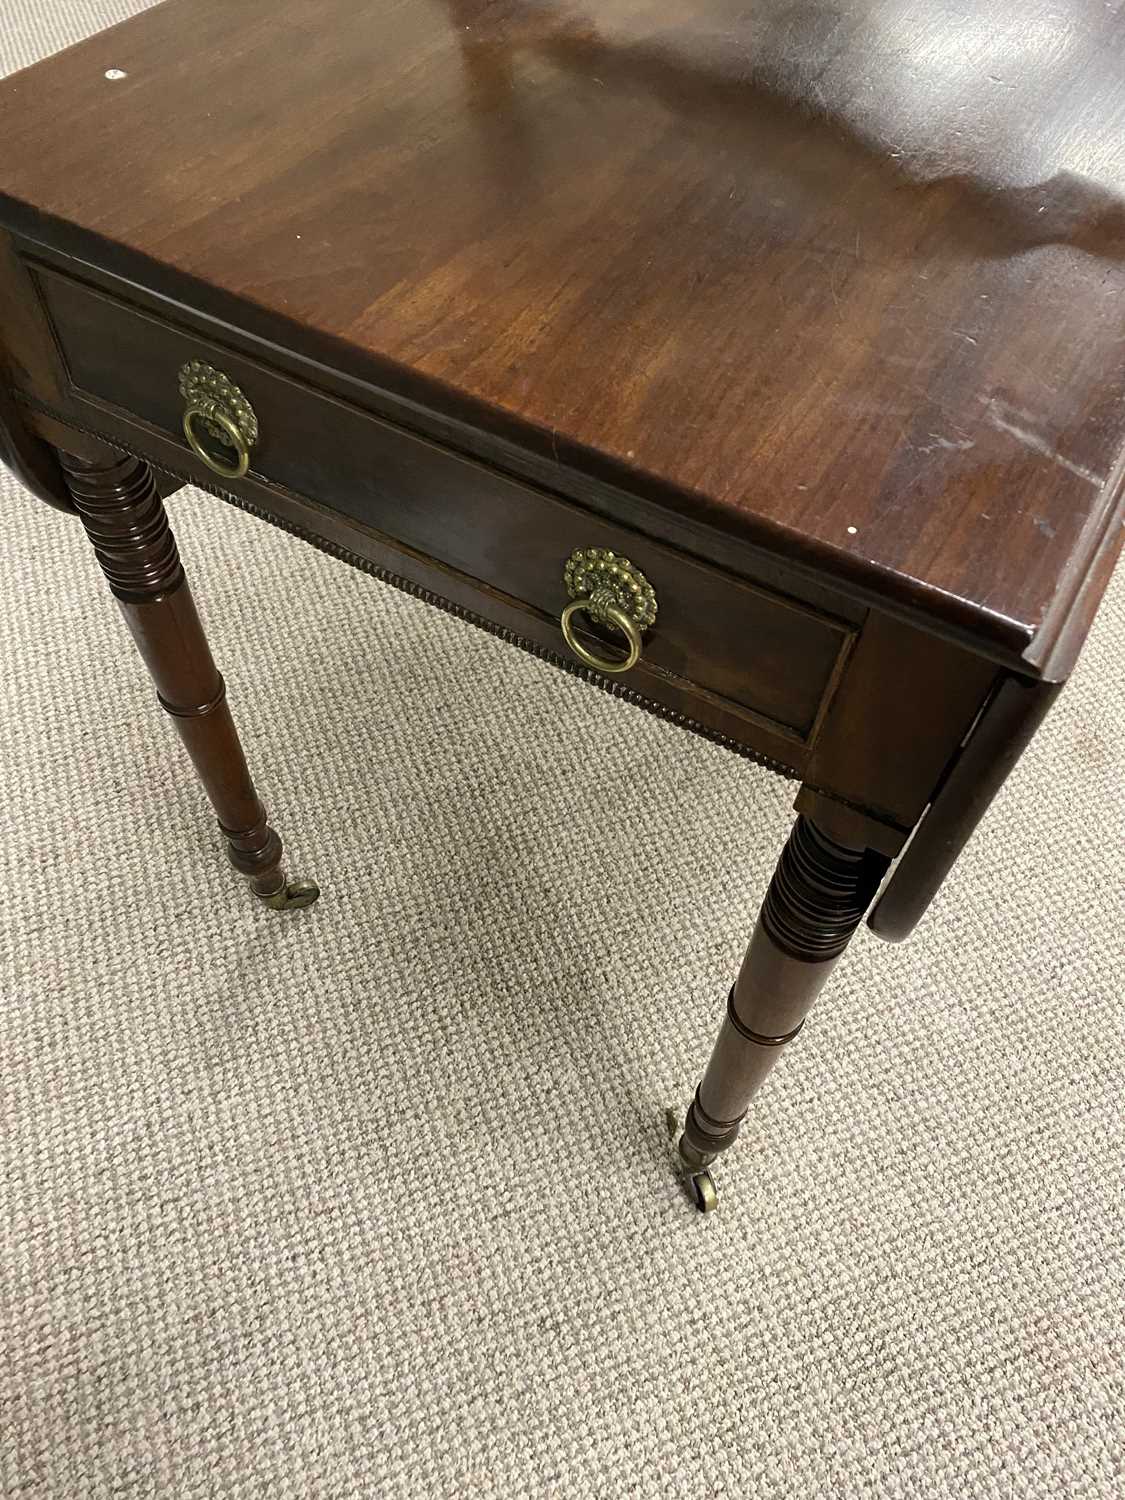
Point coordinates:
pixel 816 900
pixel 124 517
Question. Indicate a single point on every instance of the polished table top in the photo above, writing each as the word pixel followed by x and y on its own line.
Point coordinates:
pixel 846 279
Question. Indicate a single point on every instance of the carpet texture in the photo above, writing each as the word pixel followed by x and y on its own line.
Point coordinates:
pixel 377 1199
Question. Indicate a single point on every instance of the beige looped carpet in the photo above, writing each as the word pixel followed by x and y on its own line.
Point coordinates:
pixel 376 1199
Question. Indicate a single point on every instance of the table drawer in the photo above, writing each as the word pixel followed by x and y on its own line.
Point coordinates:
pixel 766 656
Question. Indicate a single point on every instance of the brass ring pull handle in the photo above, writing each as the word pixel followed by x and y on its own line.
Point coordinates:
pixel 218 409
pixel 206 412
pixel 614 616
pixel 611 591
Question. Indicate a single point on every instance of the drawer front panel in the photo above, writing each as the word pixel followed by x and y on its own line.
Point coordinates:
pixel 764 655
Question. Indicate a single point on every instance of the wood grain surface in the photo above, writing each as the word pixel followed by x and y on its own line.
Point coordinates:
pixel 847 280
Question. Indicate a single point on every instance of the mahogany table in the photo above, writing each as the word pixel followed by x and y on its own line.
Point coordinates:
pixel 764 364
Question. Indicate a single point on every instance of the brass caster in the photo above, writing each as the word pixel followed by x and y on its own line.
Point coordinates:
pixel 292 897
pixel 700 1183
pixel 704 1192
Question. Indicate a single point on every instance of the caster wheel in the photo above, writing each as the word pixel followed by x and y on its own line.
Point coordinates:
pixel 704 1192
pixel 293 897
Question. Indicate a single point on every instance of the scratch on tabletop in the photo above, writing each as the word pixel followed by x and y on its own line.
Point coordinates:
pixel 1035 441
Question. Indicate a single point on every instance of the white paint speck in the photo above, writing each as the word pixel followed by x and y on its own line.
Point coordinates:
pixel 852 530
pixel 113 74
